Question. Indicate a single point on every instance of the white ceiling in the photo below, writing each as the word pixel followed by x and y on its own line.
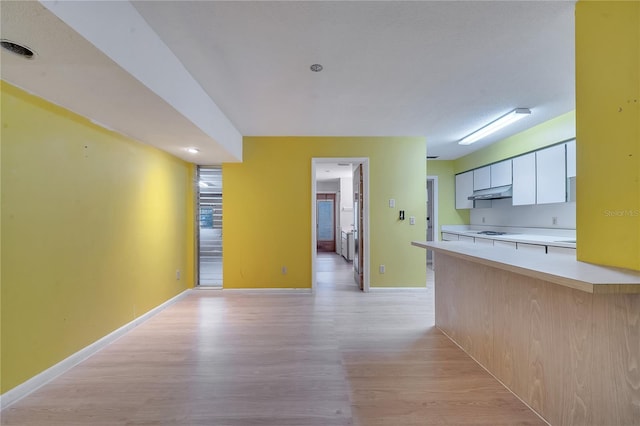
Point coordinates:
pixel 391 68
pixel 333 171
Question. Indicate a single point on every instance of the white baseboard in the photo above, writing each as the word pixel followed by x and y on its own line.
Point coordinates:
pixel 389 289
pixel 268 290
pixel 10 397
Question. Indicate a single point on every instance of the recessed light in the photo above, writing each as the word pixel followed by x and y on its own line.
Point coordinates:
pixel 316 67
pixel 17 49
pixel 193 150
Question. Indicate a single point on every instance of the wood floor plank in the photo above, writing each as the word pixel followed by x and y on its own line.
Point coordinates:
pixel 334 358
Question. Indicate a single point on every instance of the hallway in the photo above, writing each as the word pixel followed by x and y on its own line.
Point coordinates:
pixel 339 357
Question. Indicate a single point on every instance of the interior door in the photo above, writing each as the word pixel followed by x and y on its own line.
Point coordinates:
pixel 358 231
pixel 325 222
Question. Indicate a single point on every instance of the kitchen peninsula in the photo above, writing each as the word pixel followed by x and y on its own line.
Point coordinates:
pixel 563 335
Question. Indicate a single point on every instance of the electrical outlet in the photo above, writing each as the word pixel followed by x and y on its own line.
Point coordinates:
pixel 177 274
pixel 284 270
pixel 412 220
pixel 554 220
pixel 392 203
pixel 381 269
pixel 483 219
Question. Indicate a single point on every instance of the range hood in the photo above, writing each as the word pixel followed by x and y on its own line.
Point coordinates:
pixel 492 193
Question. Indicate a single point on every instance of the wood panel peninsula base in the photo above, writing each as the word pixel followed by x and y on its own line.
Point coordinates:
pixel 562 335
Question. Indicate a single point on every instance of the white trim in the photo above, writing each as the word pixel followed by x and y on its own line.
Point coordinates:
pixel 314 237
pixel 10 397
pixel 367 238
pixel 436 232
pixel 364 161
pixel 269 290
pixel 390 289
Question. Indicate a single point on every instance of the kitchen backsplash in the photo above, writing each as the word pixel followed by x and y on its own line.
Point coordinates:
pixel 502 213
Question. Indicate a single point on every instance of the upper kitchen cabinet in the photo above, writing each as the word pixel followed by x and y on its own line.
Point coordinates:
pixel 501 174
pixel 551 175
pixel 571 159
pixel 482 178
pixel 524 180
pixel 464 189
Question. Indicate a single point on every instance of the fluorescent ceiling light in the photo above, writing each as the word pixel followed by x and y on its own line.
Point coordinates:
pixel 496 125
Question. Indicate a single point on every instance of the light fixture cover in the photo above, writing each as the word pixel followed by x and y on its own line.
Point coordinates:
pixel 496 125
pixel 193 150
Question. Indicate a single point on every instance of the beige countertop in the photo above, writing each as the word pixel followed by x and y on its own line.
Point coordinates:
pixel 560 269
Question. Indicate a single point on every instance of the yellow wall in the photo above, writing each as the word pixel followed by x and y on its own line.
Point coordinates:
pixel 267 209
pixel 447 213
pixel 94 226
pixel 608 132
pixel 548 133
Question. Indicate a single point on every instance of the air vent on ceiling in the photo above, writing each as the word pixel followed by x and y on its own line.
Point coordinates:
pixel 17 49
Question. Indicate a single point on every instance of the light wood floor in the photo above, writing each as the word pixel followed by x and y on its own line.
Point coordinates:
pixel 339 357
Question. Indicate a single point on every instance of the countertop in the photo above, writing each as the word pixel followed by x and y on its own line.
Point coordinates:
pixel 547 237
pixel 556 268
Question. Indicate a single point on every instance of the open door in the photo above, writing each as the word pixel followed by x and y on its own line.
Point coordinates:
pixel 358 231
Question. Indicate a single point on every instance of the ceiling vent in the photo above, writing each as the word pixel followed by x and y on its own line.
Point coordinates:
pixel 17 49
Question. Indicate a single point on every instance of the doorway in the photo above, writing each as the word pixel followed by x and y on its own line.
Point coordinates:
pixel 320 164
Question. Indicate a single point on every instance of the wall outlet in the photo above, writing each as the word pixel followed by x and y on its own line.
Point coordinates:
pixel 483 219
pixel 392 203
pixel 554 220
pixel 412 220
pixel 381 269
pixel 284 270
pixel 177 274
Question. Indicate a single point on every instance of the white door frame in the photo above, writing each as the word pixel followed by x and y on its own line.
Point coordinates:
pixel 365 180
pixel 434 221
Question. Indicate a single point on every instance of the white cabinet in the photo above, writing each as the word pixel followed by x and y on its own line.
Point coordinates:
pixel 524 180
pixel 482 178
pixel 571 159
pixel 561 250
pixel 449 237
pixel 464 188
pixel 534 248
pixel 508 244
pixel 347 247
pixel 551 176
pixel 501 173
pixel 484 241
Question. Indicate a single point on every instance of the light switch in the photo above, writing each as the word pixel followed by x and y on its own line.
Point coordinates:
pixel 392 203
